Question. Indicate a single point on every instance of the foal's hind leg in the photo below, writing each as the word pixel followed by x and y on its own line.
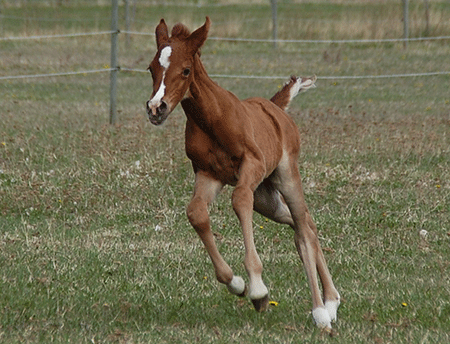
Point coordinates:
pixel 330 294
pixel 206 190
pixel 287 180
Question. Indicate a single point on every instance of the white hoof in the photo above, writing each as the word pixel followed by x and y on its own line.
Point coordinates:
pixel 321 317
pixel 237 286
pixel 332 307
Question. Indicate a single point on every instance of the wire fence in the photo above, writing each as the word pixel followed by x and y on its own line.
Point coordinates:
pixel 310 41
pixel 114 69
pixel 323 77
pixel 68 73
pixel 53 20
pixel 30 76
pixel 81 34
pixel 235 40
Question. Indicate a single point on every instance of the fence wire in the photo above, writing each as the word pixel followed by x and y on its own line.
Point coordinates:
pixel 323 77
pixel 310 41
pixel 21 38
pixel 10 77
pixel 55 20
pixel 244 40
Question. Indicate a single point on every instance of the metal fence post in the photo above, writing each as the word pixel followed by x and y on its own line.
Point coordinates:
pixel 405 23
pixel 275 22
pixel 114 66
pixel 427 18
pixel 127 22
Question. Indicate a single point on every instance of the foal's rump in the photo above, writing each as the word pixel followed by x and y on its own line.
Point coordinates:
pixel 275 133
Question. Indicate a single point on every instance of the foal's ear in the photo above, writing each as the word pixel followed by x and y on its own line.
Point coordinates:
pixel 162 33
pixel 198 37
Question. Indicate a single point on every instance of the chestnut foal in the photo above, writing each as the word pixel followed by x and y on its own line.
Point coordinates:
pixel 252 145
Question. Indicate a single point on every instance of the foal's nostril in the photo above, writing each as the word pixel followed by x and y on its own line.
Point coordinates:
pixel 163 107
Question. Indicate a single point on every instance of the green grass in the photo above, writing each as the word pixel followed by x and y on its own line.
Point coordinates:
pixel 80 259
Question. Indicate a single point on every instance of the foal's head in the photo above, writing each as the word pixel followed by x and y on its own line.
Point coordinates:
pixel 172 67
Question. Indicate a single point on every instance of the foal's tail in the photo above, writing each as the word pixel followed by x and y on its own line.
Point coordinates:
pixel 293 87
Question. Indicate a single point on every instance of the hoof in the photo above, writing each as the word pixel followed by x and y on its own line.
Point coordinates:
pixel 261 305
pixel 244 293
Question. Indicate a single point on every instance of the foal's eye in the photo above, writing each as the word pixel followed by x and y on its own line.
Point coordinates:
pixel 186 72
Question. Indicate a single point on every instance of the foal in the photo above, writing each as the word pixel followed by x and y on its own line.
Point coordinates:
pixel 252 145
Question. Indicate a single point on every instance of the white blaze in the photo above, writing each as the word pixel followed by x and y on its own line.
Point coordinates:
pixel 159 95
pixel 164 57
pixel 165 63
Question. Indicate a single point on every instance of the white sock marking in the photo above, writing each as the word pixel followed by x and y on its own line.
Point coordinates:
pixel 236 286
pixel 332 307
pixel 257 289
pixel 321 317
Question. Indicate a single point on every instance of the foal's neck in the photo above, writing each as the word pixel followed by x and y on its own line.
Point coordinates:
pixel 211 100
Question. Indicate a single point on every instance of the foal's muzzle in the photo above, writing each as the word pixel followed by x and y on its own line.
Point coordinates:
pixel 157 114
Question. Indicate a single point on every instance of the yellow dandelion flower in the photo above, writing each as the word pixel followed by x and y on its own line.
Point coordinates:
pixel 404 304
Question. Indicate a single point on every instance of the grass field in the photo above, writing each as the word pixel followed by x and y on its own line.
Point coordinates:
pixel 95 246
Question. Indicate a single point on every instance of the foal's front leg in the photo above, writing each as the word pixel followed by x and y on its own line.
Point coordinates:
pixel 243 206
pixel 205 191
